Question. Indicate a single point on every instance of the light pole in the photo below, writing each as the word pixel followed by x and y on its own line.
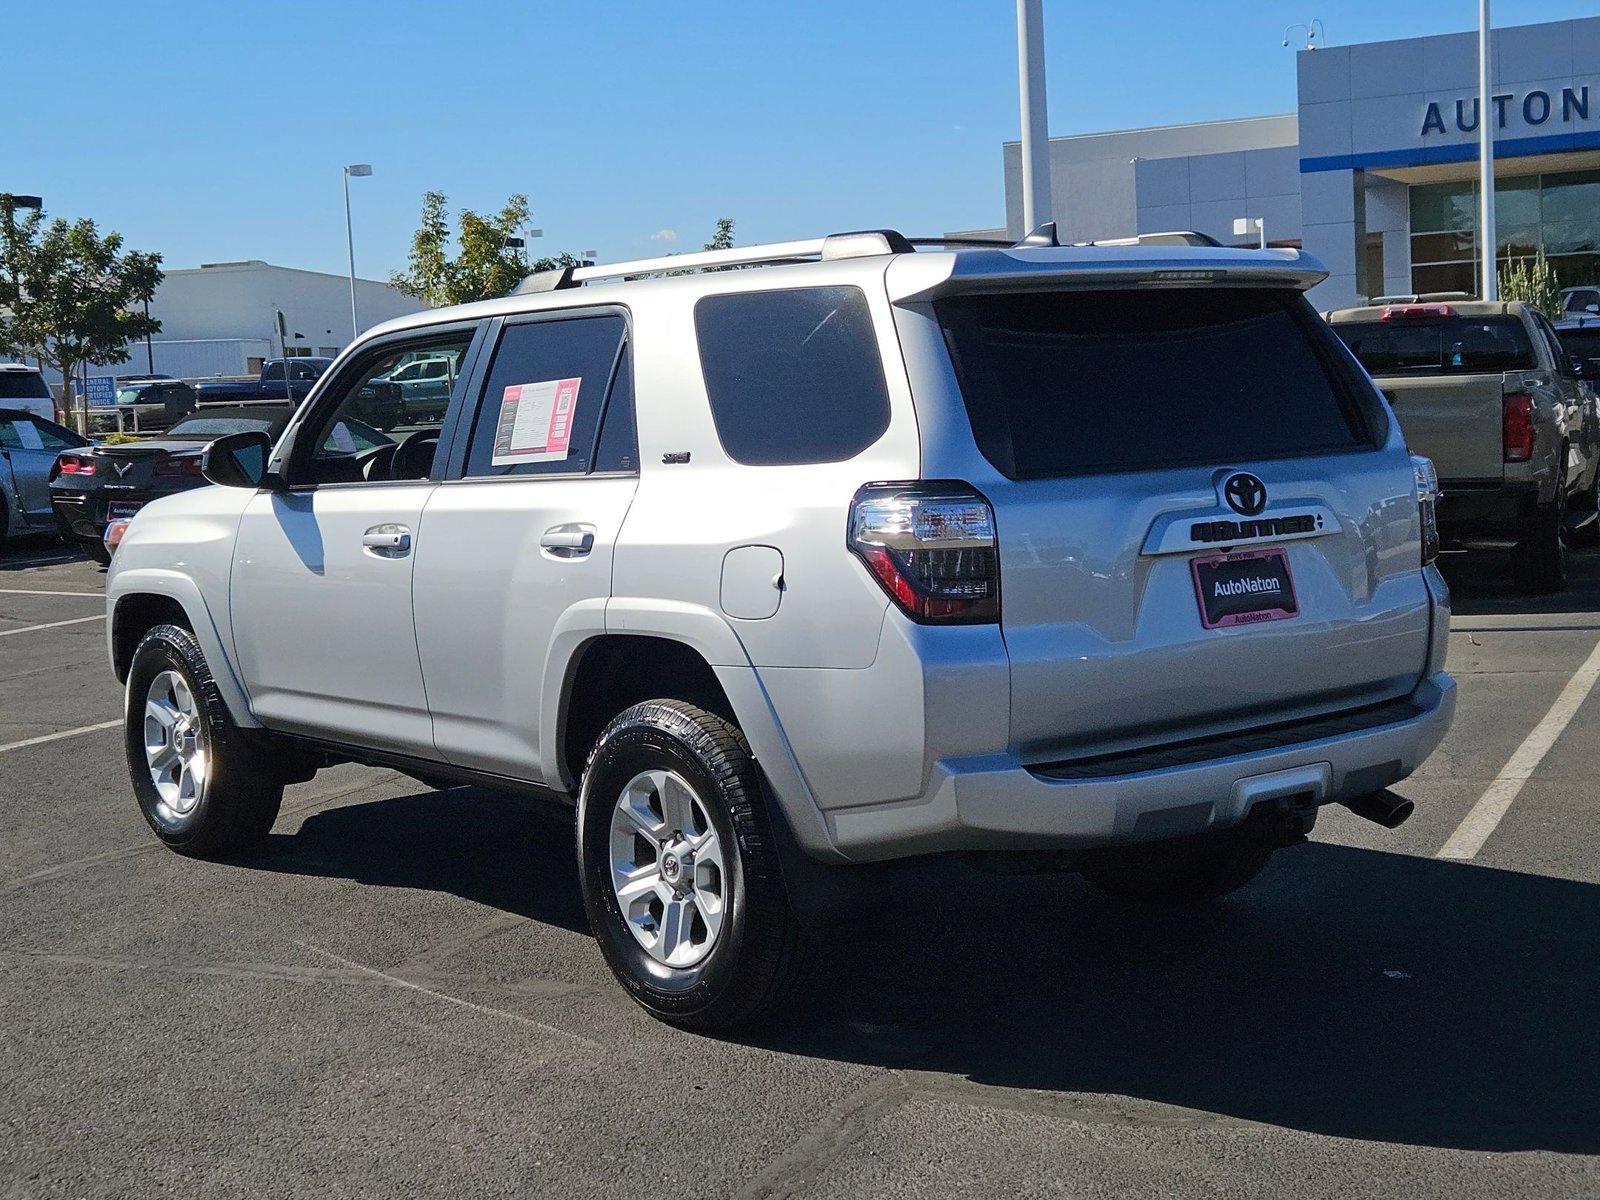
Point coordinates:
pixel 359 171
pixel 1491 281
pixel 1036 207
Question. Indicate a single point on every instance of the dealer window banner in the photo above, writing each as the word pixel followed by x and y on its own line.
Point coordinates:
pixel 535 422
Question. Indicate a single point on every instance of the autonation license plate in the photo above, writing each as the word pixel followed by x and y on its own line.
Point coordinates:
pixel 1244 588
pixel 121 512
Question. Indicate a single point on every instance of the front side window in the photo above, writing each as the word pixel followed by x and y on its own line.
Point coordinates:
pixel 30 433
pixel 793 376
pixel 369 434
pixel 541 406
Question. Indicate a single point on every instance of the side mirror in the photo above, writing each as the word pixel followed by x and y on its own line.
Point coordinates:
pixel 237 460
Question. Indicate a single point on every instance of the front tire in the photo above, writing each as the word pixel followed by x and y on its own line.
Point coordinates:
pixel 1180 873
pixel 203 787
pixel 680 872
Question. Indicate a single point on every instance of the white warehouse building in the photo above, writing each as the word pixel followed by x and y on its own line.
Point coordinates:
pixel 222 318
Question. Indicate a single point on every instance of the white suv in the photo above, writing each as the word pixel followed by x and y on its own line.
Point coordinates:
pixel 1107 555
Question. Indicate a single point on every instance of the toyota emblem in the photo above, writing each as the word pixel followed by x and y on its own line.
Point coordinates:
pixel 1245 494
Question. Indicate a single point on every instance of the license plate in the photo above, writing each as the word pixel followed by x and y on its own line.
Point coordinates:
pixel 121 512
pixel 1244 588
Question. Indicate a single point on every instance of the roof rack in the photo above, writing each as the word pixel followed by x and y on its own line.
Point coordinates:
pixel 856 244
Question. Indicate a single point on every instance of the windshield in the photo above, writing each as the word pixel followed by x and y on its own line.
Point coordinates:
pixel 130 395
pixel 1073 382
pixel 1440 346
pixel 211 427
pixel 23 385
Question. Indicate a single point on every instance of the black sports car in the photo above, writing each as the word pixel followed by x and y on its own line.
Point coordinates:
pixel 95 485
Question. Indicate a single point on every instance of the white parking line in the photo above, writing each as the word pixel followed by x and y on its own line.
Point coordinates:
pixel 38 592
pixel 1486 814
pixel 52 624
pixel 56 737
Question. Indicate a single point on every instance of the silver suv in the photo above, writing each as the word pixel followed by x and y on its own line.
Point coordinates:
pixel 1108 556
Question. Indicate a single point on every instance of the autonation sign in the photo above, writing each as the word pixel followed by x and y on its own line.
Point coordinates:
pixel 1538 107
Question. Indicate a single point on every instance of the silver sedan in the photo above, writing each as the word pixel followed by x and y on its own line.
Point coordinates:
pixel 28 448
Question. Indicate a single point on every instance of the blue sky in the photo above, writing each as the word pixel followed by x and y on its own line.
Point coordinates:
pixel 210 131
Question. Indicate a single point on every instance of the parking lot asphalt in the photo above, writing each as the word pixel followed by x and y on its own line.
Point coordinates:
pixel 397 995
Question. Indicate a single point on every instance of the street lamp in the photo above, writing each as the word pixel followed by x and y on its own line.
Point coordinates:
pixel 1491 282
pixel 1036 205
pixel 359 171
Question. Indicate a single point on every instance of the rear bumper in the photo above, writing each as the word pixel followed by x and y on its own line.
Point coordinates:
pixel 1485 516
pixel 991 802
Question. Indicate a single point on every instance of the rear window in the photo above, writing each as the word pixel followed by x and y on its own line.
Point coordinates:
pixel 1067 383
pixel 1440 346
pixel 794 376
pixel 23 385
pixel 217 426
pixel 1581 343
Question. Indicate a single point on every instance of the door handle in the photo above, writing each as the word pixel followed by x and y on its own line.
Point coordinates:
pixel 387 540
pixel 568 541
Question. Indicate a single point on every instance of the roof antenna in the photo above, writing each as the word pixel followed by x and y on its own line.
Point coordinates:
pixel 1043 235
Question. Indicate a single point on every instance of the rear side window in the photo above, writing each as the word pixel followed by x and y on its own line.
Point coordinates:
pixel 547 388
pixel 793 376
pixel 1078 382
pixel 1440 345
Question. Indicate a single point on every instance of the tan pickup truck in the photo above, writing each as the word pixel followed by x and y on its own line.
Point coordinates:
pixel 1486 391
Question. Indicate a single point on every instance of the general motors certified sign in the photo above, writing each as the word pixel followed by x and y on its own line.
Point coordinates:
pixel 101 390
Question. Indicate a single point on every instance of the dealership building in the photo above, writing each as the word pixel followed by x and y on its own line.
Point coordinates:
pixel 1375 172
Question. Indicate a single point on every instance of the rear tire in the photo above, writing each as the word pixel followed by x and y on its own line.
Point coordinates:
pixel 1586 505
pixel 679 863
pixel 1539 561
pixel 203 786
pixel 1180 873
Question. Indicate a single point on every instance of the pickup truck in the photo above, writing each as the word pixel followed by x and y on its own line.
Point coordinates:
pixel 382 402
pixel 303 372
pixel 1486 390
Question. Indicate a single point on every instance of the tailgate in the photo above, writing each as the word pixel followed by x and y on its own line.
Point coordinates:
pixel 1104 627
pixel 1456 420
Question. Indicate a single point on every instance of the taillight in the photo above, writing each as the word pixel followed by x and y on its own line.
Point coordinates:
pixel 1427 505
pixel 72 464
pixel 1517 423
pixel 179 466
pixel 931 546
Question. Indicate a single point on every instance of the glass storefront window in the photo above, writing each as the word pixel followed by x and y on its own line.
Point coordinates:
pixel 1559 213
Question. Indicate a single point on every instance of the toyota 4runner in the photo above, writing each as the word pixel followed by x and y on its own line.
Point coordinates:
pixel 1107 556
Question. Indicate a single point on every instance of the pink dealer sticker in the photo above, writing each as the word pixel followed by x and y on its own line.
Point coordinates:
pixel 535 423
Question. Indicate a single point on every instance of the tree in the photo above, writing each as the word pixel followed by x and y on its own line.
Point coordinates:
pixel 1531 279
pixel 482 266
pixel 70 293
pixel 722 239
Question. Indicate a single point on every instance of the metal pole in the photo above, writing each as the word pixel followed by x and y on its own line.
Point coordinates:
pixel 1261 228
pixel 350 241
pixel 1487 239
pixel 149 350
pixel 1036 206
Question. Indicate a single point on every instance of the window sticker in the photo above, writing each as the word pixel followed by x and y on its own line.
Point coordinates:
pixel 29 433
pixel 535 422
pixel 341 439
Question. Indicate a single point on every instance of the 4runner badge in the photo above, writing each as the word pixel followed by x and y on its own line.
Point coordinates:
pixel 1245 494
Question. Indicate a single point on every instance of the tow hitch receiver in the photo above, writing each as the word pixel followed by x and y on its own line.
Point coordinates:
pixel 1284 820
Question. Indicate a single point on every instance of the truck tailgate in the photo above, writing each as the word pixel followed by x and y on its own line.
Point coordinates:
pixel 1453 419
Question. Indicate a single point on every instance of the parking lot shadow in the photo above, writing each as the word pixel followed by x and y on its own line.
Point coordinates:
pixel 1350 993
pixel 1481 585
pixel 505 851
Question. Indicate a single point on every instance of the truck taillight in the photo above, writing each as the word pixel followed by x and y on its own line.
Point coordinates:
pixel 1518 426
pixel 1427 505
pixel 931 546
pixel 72 464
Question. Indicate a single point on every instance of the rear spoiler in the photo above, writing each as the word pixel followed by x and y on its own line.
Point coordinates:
pixel 921 277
